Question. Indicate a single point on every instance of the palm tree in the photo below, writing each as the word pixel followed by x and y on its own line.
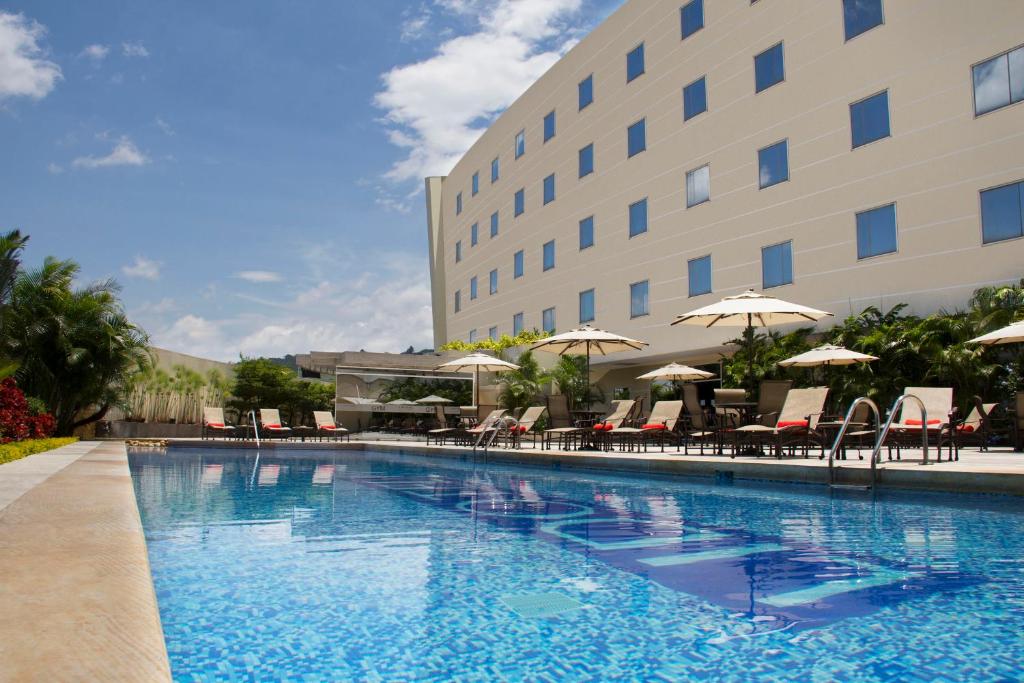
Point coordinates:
pixel 11 245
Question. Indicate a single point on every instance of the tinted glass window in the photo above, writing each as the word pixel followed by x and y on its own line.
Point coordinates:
pixel 586 91
pixel 587 232
pixel 495 169
pixel 636 137
pixel 549 126
pixel 473 234
pixel 520 143
pixel 638 299
pixel 769 68
pixel 869 119
pixel 777 265
pixel 638 218
pixel 860 16
pixel 458 251
pixel 493 332
pixel 587 160
pixel 517 264
pixel 517 324
pixel 698 273
pixel 691 16
pixel 458 300
pixel 458 204
pixel 999 81
pixel 494 224
pixel 695 99
pixel 773 164
pixel 520 202
pixel 549 188
pixel 493 281
pixel 876 231
pixel 476 183
pixel 472 336
pixel 547 319
pixel 1001 210
pixel 587 306
pixel 472 287
pixel 549 255
pixel 698 186
pixel 635 62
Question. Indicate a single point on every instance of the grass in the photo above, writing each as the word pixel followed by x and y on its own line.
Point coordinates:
pixel 17 450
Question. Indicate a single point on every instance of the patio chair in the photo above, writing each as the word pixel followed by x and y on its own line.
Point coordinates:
pixel 462 435
pixel 561 425
pixel 327 426
pixel 770 399
pixel 728 418
pixel 214 423
pixel 906 430
pixel 795 426
pixel 623 412
pixel 697 426
pixel 526 425
pixel 662 424
pixel 1018 422
pixel 974 430
pixel 271 424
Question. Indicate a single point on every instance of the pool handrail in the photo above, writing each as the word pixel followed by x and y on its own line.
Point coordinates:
pixel 842 432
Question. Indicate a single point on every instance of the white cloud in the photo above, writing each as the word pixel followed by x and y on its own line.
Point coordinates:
pixel 95 52
pixel 54 169
pixel 436 108
pixel 24 69
pixel 164 126
pixel 125 153
pixel 136 49
pixel 414 23
pixel 143 268
pixel 259 276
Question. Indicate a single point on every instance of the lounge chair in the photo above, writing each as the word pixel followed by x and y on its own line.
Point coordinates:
pixel 974 430
pixel 697 426
pixel 461 434
pixel 906 431
pixel 794 427
pixel 662 424
pixel 272 425
pixel 623 414
pixel 327 426
pixel 526 425
pixel 474 435
pixel 770 399
pixel 562 427
pixel 214 423
pixel 728 418
pixel 1018 422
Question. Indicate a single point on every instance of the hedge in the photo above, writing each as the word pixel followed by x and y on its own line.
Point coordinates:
pixel 20 449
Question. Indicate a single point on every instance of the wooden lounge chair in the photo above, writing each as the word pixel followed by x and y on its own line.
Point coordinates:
pixel 214 423
pixel 527 423
pixel 697 426
pixel 662 425
pixel 271 424
pixel 905 432
pixel 327 426
pixel 795 426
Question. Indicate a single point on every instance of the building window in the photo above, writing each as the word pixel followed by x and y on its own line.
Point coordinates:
pixel 476 183
pixel 777 265
pixel 586 232
pixel 472 336
pixel 458 300
pixel 492 333
pixel 549 126
pixel 638 218
pixel 876 231
pixel 587 306
pixel 587 160
pixel 520 202
pixel 773 164
pixel 474 233
pixel 472 288
pixel 458 251
pixel 458 204
pixel 549 255
pixel 695 99
pixel 635 62
pixel 999 81
pixel 493 281
pixel 549 189
pixel 586 92
pixel 860 16
pixel 495 170
pixel 517 265
pixel 1001 210
pixel 639 299
pixel 698 186
pixel 517 324
pixel 769 68
pixel 520 143
pixel 691 16
pixel 547 319
pixel 698 272
pixel 494 225
pixel 636 137
pixel 869 119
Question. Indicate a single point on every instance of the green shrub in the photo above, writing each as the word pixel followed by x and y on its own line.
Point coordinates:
pixel 20 449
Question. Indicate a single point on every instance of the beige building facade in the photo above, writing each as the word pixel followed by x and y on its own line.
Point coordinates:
pixel 846 153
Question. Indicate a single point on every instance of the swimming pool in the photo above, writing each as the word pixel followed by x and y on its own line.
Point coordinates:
pixel 356 565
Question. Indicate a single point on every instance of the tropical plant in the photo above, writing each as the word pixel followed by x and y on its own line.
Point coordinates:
pixel 457 391
pixel 570 374
pixel 519 388
pixel 499 345
pixel 11 245
pixel 261 383
pixel 758 354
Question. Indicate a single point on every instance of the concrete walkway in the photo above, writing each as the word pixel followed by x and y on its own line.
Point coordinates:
pixel 76 596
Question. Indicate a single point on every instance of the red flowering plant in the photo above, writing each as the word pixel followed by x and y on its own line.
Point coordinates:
pixel 16 419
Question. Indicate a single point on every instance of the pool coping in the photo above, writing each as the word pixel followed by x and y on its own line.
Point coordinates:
pixel 1002 478
pixel 77 592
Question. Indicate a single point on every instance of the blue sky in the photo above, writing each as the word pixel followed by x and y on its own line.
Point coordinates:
pixel 251 172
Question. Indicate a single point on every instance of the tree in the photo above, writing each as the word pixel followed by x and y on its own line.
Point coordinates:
pixel 11 245
pixel 75 348
pixel 261 383
pixel 519 388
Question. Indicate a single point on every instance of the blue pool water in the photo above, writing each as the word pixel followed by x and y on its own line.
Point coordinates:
pixel 382 567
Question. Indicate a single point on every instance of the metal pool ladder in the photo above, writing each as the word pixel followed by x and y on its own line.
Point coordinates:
pixel 503 425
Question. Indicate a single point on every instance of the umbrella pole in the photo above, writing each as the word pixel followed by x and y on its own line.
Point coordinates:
pixel 750 355
pixel 476 390
pixel 588 376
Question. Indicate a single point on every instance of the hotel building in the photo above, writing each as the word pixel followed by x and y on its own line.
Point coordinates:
pixel 836 153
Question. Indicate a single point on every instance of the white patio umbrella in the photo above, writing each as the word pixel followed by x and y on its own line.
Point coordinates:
pixel 587 340
pixel 477 362
pixel 827 354
pixel 676 372
pixel 401 402
pixel 433 400
pixel 1010 334
pixel 749 310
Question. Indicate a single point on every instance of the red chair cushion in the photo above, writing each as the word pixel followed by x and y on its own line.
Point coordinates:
pixel 918 422
pixel 217 425
pixel 964 428
pixel 655 425
pixel 523 429
pixel 790 423
pixel 327 427
pixel 601 426
pixel 272 426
